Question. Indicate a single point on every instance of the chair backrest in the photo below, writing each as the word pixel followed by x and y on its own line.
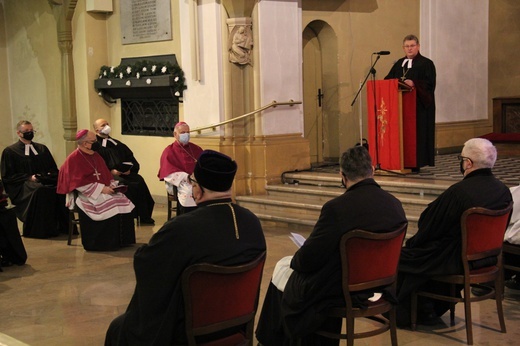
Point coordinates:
pixel 370 259
pixel 483 232
pixel 220 297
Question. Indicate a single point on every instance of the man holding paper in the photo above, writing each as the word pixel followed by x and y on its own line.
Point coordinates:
pixel 125 169
pixel 308 282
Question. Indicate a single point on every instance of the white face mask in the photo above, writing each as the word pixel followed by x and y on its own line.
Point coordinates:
pixel 184 138
pixel 106 130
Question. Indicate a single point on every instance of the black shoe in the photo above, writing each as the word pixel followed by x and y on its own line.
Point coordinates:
pixel 430 319
pixel 6 263
pixel 149 221
pixel 480 291
pixel 513 284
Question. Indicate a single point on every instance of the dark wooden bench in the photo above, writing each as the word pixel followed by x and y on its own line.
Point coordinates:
pixel 514 250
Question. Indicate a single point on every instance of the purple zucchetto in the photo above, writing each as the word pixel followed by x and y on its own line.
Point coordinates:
pixel 215 171
pixel 81 133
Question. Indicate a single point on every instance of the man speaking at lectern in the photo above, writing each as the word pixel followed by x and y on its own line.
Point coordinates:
pixel 418 72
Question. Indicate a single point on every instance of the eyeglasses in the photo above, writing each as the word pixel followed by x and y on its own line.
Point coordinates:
pixel 34 131
pixel 462 158
pixel 410 46
pixel 191 180
pixel 90 142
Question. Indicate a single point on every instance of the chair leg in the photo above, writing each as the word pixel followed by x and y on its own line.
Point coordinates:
pixel 393 326
pixel 71 227
pixel 467 310
pixel 452 305
pixel 413 311
pixel 169 209
pixel 350 330
pixel 499 294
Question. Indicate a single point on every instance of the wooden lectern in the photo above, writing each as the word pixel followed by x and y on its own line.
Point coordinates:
pixel 391 125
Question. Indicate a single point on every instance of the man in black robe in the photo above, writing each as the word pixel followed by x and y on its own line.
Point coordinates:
pixel 12 250
pixel 436 247
pixel 30 174
pixel 292 316
pixel 124 167
pixel 419 72
pixel 218 232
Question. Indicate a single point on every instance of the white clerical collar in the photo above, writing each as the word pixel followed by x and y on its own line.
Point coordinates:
pixel 409 61
pixel 104 143
pixel 31 148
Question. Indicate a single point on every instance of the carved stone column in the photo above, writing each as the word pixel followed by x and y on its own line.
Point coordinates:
pixel 68 99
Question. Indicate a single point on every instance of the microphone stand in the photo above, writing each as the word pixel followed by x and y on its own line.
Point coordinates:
pixel 372 72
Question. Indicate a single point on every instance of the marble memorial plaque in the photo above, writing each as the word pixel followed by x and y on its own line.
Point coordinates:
pixel 145 21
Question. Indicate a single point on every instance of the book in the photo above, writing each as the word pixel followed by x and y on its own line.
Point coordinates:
pixel 297 239
pixel 124 166
pixel 120 188
pixel 48 179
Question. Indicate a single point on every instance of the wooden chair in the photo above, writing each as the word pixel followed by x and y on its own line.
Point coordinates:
pixel 221 298
pixel 172 202
pixel 369 261
pixel 482 232
pixel 73 219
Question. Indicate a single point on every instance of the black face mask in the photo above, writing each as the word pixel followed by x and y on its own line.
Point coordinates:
pixel 95 146
pixel 462 170
pixel 28 135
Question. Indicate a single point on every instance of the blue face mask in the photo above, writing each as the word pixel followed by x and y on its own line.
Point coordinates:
pixel 184 138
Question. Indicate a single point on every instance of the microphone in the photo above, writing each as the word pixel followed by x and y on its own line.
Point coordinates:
pixel 383 52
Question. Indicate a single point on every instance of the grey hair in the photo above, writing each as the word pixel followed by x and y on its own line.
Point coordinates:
pixel 21 123
pixel 481 152
pixel 356 163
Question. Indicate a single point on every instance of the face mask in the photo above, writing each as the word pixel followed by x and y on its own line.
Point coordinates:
pixel 184 138
pixel 462 170
pixel 28 135
pixel 106 130
pixel 95 146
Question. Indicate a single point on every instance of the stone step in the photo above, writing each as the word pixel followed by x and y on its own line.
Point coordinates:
pixel 298 214
pixel 318 195
pixel 296 204
pixel 411 185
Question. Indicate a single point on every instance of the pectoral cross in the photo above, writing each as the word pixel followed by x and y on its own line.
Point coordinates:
pixel 96 174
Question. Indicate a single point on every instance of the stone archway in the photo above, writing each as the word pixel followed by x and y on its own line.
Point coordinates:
pixel 320 89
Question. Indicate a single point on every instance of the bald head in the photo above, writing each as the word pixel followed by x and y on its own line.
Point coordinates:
pixel 101 127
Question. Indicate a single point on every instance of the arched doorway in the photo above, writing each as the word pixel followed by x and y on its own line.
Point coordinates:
pixel 320 91
pixel 312 94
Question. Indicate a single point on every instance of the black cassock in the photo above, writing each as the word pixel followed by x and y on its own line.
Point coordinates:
pixel 423 74
pixel 436 247
pixel 155 315
pixel 12 250
pixel 38 206
pixel 115 153
pixel 291 317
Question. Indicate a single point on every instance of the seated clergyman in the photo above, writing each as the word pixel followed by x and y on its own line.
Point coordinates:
pixel 105 215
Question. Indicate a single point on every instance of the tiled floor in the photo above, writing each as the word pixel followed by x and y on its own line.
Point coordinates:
pixel 66 296
pixel 507 169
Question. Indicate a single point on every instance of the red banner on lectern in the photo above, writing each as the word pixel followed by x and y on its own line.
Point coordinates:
pixel 391 125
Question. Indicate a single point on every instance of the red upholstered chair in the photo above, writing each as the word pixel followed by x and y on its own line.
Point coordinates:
pixel 482 237
pixel 219 298
pixel 369 260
